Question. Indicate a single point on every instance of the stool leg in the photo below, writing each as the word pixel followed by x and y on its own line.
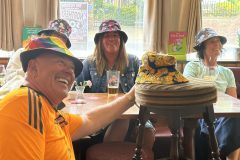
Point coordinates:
pixel 143 117
pixel 174 126
pixel 208 116
pixel 190 124
pixel 180 142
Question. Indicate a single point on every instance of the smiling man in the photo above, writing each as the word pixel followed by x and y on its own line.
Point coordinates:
pixel 31 127
pixel 14 73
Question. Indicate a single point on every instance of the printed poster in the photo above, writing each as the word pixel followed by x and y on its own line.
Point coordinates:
pixel 76 14
pixel 177 45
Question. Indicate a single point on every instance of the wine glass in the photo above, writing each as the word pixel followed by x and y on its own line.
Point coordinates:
pixel 210 73
pixel 2 74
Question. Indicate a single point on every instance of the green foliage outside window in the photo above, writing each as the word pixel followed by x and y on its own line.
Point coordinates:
pixel 126 13
pixel 228 8
pixel 222 9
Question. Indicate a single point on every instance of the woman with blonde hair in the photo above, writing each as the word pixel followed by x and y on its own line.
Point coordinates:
pixel 110 54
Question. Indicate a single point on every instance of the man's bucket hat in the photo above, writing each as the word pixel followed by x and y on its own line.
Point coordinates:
pixel 48 45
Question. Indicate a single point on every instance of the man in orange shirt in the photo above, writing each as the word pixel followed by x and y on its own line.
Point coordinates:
pixel 14 76
pixel 31 127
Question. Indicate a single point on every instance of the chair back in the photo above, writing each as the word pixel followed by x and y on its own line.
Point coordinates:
pixel 236 72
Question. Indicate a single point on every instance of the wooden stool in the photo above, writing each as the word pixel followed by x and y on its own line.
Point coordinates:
pixel 115 151
pixel 186 100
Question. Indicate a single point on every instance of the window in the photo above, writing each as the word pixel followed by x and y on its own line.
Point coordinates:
pixel 86 16
pixel 223 16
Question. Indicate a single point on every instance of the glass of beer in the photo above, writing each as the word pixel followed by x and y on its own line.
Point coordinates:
pixel 113 78
pixel 210 73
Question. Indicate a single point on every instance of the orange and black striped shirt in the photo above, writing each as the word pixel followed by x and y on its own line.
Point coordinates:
pixel 28 128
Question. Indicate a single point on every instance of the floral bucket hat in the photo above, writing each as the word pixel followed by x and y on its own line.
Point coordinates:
pixel 205 34
pixel 58 26
pixel 48 45
pixel 159 69
pixel 110 26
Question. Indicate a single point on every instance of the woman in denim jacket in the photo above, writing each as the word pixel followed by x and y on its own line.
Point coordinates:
pixel 99 82
pixel 110 54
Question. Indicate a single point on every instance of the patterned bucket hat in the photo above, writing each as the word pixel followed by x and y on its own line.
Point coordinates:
pixel 159 69
pixel 60 27
pixel 205 34
pixel 51 45
pixel 110 26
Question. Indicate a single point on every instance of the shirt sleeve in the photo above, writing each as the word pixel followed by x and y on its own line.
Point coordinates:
pixel 136 66
pixel 14 67
pixel 230 78
pixel 192 69
pixel 74 121
pixel 85 74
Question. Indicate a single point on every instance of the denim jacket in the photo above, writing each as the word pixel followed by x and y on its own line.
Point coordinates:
pixel 99 83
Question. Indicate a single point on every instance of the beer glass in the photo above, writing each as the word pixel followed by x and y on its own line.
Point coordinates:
pixel 210 73
pixel 113 78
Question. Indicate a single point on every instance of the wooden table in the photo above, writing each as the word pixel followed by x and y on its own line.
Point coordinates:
pixel 93 100
pixel 226 106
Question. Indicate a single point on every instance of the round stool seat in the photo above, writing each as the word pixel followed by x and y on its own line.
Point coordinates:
pixel 196 91
pixel 115 151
